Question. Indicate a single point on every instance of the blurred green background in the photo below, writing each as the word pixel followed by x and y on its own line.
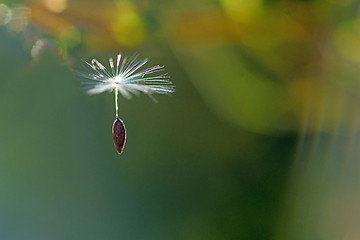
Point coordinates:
pixel 259 141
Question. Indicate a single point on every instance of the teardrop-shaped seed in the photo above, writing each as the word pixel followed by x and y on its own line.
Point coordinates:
pixel 119 135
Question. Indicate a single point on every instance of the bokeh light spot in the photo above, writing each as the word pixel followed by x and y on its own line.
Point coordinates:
pixel 57 6
pixel 241 10
pixel 43 45
pixel 5 14
pixel 20 18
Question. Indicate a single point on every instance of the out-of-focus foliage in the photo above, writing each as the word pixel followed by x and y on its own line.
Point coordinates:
pixel 259 141
pixel 280 50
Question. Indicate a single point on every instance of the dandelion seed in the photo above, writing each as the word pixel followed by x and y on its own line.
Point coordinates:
pixel 119 135
pixel 125 78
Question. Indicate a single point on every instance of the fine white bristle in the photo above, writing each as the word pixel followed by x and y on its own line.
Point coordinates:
pixel 126 77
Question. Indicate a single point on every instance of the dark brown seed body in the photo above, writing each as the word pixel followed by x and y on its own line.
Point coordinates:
pixel 119 135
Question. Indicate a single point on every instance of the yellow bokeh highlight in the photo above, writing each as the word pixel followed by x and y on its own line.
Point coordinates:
pixel 57 6
pixel 347 40
pixel 241 10
pixel 126 24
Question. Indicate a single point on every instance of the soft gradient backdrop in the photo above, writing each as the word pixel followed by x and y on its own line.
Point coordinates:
pixel 260 140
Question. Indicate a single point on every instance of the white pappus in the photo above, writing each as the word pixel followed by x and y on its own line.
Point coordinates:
pixel 126 77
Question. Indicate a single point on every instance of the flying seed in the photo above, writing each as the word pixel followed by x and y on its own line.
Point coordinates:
pixel 127 78
pixel 119 135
